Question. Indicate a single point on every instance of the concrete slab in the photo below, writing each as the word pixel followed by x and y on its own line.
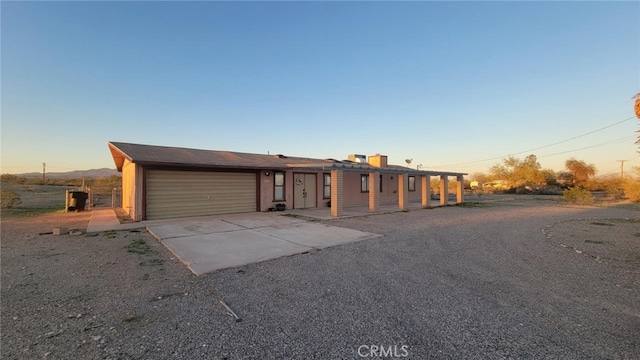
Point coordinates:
pixel 106 220
pixel 206 244
pixel 264 220
pixel 190 228
pixel 206 253
pixel 318 236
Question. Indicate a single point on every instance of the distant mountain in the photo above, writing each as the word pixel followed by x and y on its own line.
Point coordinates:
pixel 76 174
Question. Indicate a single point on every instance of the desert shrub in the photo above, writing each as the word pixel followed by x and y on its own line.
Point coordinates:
pixel 612 185
pixel 9 199
pixel 578 195
pixel 12 179
pixel 632 190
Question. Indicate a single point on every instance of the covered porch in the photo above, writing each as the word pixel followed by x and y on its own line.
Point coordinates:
pixel 420 179
pixel 324 213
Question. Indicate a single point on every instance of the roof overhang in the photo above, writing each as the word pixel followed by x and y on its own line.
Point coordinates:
pixel 366 168
pixel 118 156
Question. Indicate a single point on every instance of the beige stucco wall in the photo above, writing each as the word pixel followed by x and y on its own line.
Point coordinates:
pixel 266 190
pixel 389 195
pixel 132 189
pixel 352 194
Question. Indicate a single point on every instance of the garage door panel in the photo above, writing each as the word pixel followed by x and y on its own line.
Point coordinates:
pixel 188 193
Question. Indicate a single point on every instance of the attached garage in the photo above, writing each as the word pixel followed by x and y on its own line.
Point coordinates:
pixel 180 193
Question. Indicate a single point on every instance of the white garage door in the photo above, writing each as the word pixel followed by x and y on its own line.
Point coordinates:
pixel 193 193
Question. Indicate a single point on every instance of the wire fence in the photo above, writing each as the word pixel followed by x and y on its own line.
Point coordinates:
pixel 87 198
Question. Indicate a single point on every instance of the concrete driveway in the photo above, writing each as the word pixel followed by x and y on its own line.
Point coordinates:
pixel 210 243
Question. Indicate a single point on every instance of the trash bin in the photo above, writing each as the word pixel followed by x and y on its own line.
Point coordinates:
pixel 78 200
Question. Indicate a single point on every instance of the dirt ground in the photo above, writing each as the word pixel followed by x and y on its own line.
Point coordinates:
pixel 121 295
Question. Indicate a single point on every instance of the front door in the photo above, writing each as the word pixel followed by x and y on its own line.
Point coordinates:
pixel 304 191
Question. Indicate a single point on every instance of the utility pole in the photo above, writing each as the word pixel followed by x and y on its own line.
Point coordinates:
pixel 44 166
pixel 622 168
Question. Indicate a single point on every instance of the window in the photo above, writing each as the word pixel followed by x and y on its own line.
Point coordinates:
pixel 364 183
pixel 412 183
pixel 278 186
pixel 380 183
pixel 327 186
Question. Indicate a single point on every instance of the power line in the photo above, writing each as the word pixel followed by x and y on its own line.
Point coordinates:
pixel 545 146
pixel 579 136
pixel 624 139
pixel 592 146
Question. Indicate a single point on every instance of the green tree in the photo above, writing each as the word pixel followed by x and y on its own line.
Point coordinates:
pixel 580 170
pixel 505 170
pixel 480 177
pixel 518 172
pixel 549 177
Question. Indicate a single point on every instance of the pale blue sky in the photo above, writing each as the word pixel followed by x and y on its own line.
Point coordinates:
pixel 448 84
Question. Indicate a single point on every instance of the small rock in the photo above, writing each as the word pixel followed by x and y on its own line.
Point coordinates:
pixel 96 338
pixel 59 230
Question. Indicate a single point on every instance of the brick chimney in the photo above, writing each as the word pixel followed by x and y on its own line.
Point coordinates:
pixel 378 160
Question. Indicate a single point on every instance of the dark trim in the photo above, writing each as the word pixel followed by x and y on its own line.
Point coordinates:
pixel 201 169
pixel 207 166
pixel 258 189
pixel 143 205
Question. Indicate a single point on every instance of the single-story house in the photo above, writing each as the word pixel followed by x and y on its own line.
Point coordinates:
pixel 167 182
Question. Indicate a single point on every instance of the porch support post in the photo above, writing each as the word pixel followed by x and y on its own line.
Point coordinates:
pixel 374 191
pixel 337 193
pixel 403 191
pixel 426 191
pixel 444 189
pixel 460 189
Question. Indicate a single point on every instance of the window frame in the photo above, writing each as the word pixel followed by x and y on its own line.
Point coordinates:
pixel 411 184
pixel 326 185
pixel 283 186
pixel 364 183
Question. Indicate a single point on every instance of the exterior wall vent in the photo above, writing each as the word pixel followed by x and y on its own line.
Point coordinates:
pixel 356 158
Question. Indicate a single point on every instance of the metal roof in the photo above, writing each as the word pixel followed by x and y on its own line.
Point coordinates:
pixel 152 155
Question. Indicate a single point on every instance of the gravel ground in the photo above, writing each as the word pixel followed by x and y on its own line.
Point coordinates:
pixel 493 280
